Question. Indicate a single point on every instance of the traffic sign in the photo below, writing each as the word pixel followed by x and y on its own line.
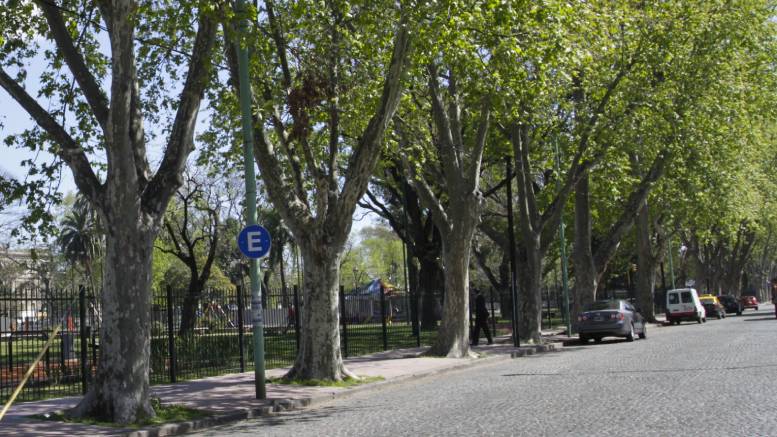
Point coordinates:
pixel 254 241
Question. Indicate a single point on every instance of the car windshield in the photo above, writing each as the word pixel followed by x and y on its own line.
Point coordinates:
pixel 603 305
pixel 707 301
pixel 725 298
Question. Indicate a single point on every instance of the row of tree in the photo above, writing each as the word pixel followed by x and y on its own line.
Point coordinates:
pixel 642 123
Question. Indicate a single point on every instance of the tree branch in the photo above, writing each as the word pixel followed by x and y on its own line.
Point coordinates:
pixel 70 152
pixel 94 95
pixel 181 141
pixel 366 155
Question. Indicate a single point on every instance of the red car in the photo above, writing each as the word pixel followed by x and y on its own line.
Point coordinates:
pixel 749 302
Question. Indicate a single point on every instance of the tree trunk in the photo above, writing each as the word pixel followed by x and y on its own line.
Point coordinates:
pixel 646 267
pixel 189 307
pixel 429 279
pixel 120 392
pixel 530 292
pixel 505 293
pixel 453 337
pixel 319 355
pixel 412 283
pixel 584 291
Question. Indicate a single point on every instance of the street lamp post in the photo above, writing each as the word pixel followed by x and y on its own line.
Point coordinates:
pixel 511 242
pixel 250 183
pixel 563 249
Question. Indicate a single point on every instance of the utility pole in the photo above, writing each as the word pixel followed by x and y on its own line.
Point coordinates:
pixel 250 180
pixel 671 265
pixel 511 238
pixel 563 248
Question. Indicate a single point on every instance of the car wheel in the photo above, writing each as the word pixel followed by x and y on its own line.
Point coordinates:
pixel 630 335
pixel 583 339
pixel 698 319
pixel 739 313
pixel 704 320
pixel 756 308
pixel 643 334
pixel 719 316
pixel 598 339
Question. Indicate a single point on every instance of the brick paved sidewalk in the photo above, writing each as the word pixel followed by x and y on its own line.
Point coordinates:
pixel 231 397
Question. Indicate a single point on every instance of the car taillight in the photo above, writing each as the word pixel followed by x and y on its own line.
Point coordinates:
pixel 616 316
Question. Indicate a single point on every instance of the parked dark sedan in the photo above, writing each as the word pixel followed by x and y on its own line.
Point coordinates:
pixel 610 318
pixel 731 304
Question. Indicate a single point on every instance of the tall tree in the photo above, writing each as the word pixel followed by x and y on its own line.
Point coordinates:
pixel 130 198
pixel 460 131
pixel 314 145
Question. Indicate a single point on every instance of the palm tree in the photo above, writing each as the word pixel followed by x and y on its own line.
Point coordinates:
pixel 79 237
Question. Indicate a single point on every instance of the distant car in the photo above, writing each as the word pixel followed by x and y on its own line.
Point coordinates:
pixel 731 304
pixel 712 306
pixel 610 318
pixel 684 304
pixel 749 302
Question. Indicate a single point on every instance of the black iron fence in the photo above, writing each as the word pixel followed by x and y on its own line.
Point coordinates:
pixel 191 336
pixel 28 318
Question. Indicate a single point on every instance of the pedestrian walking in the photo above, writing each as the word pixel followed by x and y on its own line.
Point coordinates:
pixel 774 295
pixel 481 319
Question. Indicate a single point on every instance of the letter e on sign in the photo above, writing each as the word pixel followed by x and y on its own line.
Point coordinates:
pixel 254 241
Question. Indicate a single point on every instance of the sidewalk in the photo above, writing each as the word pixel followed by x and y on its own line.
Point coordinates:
pixel 231 397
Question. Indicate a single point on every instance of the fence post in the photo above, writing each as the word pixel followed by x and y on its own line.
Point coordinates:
pixel 296 315
pixel 171 335
pixel 550 320
pixel 384 316
pixel 416 317
pixel 240 328
pixel 84 336
pixel 343 322
pixel 10 352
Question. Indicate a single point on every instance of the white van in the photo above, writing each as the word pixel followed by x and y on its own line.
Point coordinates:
pixel 684 304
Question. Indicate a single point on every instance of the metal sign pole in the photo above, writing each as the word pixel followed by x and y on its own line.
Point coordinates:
pixel 250 180
pixel 563 250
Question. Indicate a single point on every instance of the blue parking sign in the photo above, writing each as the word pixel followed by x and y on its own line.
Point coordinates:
pixel 254 241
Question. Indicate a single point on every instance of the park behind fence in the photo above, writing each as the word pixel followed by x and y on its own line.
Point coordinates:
pixel 191 337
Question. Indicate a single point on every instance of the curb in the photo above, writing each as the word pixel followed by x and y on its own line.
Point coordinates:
pixel 281 405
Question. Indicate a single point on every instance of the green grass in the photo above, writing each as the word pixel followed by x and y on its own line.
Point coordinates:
pixel 347 382
pixel 164 414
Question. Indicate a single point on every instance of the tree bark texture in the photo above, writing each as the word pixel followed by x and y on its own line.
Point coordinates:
pixel 586 276
pixel 120 391
pixel 319 355
pixel 530 291
pixel 453 337
pixel 646 266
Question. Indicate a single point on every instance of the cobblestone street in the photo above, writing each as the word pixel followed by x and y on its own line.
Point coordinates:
pixel 715 379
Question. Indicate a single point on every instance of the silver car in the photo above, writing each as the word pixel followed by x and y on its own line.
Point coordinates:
pixel 610 318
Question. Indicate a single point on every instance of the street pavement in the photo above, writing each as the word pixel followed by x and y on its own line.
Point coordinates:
pixel 714 379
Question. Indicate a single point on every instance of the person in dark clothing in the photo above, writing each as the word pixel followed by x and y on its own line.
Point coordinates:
pixel 774 295
pixel 481 319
